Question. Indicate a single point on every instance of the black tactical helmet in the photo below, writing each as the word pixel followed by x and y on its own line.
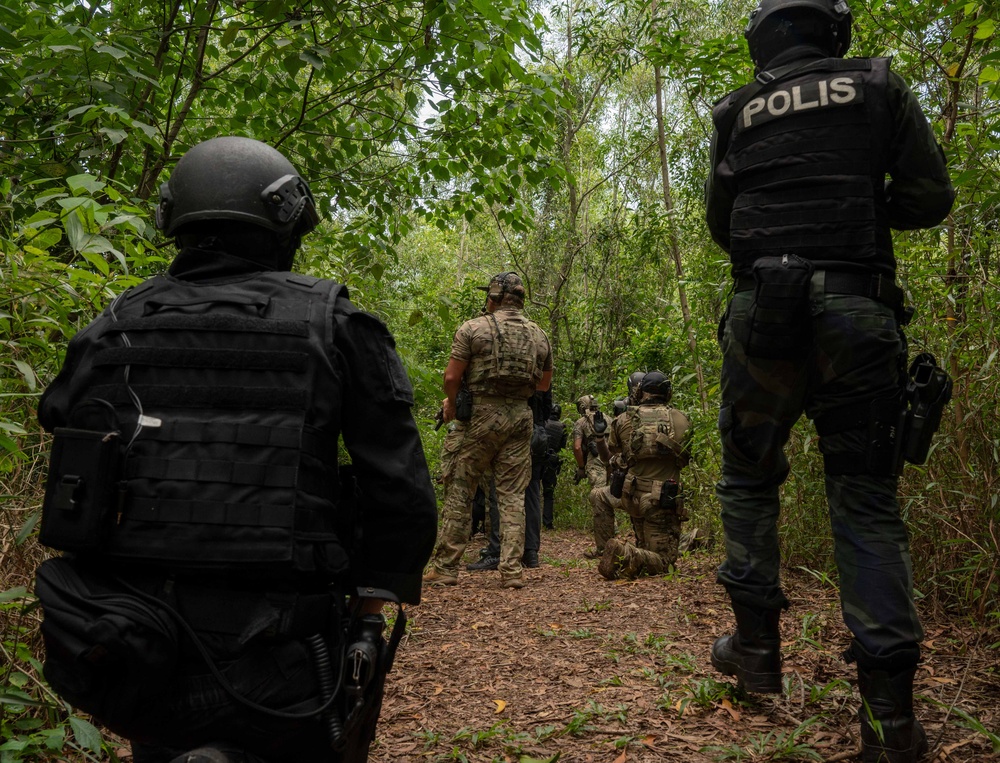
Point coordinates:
pixel 585 403
pixel 619 406
pixel 556 412
pixel 239 179
pixel 779 24
pixel 633 381
pixel 656 383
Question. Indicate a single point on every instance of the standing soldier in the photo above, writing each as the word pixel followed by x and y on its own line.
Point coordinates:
pixel 650 439
pixel 589 465
pixel 555 430
pixel 499 359
pixel 798 197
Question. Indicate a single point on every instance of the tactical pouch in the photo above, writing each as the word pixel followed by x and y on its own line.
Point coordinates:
pixel 929 390
pixel 669 495
pixel 107 652
pixel 617 481
pixel 592 449
pixel 778 322
pixel 463 405
pixel 82 490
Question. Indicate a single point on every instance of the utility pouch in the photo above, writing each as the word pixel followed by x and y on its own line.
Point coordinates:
pixel 82 491
pixel 778 324
pixel 592 449
pixel 107 652
pixel 928 390
pixel 669 495
pixel 617 481
pixel 463 405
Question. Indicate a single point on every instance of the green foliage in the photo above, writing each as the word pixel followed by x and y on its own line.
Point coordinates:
pixel 771 746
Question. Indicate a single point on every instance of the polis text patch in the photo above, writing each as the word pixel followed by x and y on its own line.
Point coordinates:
pixel 826 93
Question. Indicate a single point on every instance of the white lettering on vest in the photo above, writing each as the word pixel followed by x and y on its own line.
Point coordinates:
pixel 754 107
pixel 843 90
pixel 798 104
pixel 785 100
pixel 811 95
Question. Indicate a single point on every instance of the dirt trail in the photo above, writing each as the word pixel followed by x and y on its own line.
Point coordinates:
pixel 617 672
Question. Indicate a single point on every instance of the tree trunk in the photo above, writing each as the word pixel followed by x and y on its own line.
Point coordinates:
pixel 675 249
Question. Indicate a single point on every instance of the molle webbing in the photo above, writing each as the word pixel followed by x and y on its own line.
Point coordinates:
pixel 805 166
pixel 196 358
pixel 223 471
pixel 211 513
pixel 229 472
pixel 234 323
pixel 177 396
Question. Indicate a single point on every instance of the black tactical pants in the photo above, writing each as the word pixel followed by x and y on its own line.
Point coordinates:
pixel 854 357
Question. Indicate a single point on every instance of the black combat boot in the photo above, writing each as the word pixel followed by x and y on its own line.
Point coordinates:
pixel 753 652
pixel 530 559
pixel 486 562
pixel 889 731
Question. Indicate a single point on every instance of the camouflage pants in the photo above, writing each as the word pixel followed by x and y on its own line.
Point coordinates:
pixel 853 358
pixel 597 472
pixel 657 534
pixel 603 506
pixel 496 439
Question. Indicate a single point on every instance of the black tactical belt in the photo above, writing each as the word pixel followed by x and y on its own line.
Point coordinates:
pixel 875 286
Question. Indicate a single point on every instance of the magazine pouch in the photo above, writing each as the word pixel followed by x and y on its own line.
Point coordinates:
pixel 107 652
pixel 82 490
pixel 778 324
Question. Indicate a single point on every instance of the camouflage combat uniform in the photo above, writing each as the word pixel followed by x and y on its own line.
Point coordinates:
pixel 497 437
pixel 603 505
pixel 652 441
pixel 597 471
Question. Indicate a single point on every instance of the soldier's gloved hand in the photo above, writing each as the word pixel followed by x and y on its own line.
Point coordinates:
pixel 579 475
pixel 600 424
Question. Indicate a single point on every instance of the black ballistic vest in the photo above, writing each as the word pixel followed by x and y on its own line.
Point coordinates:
pixel 236 403
pixel 556 433
pixel 809 155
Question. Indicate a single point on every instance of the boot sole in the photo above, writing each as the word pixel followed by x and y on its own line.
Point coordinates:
pixel 756 683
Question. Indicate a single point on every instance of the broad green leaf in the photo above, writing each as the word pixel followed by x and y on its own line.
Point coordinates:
pixel 28 373
pixel 114 134
pixel 87 183
pixel 86 734
pixel 13 594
